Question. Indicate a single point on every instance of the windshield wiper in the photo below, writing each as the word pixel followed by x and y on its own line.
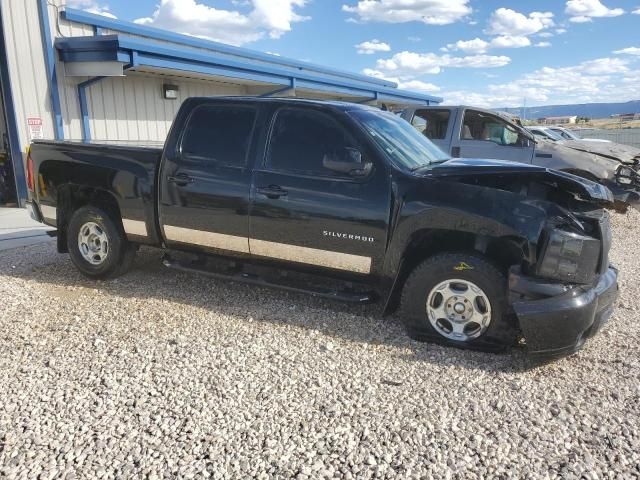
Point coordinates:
pixel 431 163
pixel 442 160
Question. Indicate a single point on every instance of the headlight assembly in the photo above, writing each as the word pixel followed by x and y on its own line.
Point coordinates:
pixel 626 175
pixel 568 257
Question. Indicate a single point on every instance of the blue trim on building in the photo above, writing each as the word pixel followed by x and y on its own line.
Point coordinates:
pixel 50 63
pixel 12 125
pixel 152 54
pixel 108 47
pixel 159 62
pixel 84 108
pixel 101 21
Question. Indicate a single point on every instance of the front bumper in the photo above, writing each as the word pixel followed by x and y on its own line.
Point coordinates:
pixel 555 319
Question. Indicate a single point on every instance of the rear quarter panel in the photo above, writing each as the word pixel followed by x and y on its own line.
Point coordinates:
pixel 124 172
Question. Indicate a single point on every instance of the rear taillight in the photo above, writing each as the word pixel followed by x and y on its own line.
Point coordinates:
pixel 30 177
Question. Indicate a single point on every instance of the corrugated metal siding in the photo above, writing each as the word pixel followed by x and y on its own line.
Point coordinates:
pixel 133 108
pixel 26 64
pixel 3 126
pixel 127 108
pixel 68 86
pixel 120 108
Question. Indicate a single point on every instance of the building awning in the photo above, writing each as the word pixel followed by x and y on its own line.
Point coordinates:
pixel 136 48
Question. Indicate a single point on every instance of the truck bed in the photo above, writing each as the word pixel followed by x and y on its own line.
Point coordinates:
pixel 125 171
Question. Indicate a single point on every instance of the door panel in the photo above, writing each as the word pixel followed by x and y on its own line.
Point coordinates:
pixel 306 214
pixel 205 183
pixel 335 224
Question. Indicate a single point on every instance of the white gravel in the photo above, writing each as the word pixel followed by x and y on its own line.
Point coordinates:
pixel 164 375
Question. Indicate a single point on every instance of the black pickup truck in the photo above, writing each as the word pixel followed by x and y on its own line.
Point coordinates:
pixel 348 202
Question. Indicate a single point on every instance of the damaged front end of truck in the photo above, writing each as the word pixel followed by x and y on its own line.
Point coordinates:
pixel 617 167
pixel 564 288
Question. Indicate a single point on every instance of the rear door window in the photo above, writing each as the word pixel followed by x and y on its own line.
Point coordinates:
pixel 220 134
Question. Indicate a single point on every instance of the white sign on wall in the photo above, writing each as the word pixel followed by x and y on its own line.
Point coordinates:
pixel 35 128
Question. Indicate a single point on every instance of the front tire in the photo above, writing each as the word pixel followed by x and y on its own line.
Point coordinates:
pixel 97 244
pixel 458 300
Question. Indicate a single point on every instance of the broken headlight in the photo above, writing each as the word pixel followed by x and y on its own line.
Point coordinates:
pixel 568 257
pixel 626 175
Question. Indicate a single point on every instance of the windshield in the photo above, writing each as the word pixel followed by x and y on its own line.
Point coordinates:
pixel 546 133
pixel 565 133
pixel 403 143
pixel 553 135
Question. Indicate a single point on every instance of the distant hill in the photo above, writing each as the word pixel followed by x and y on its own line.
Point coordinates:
pixel 591 110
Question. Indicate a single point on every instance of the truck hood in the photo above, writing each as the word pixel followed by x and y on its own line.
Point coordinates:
pixel 581 187
pixel 559 155
pixel 614 151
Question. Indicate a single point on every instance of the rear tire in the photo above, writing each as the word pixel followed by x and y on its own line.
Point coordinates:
pixel 458 300
pixel 97 244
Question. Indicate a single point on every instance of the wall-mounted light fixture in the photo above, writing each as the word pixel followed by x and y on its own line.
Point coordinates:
pixel 170 91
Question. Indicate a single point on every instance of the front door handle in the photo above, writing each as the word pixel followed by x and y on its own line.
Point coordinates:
pixel 272 191
pixel 180 179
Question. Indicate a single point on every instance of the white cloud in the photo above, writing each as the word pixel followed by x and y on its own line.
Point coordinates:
pixel 628 51
pixel 602 79
pixel 507 22
pixel 91 6
pixel 542 44
pixel 636 11
pixel 430 12
pixel 417 85
pixel 560 31
pixel 372 46
pixel 408 65
pixel 477 45
pixel 508 41
pixel 265 17
pixel 510 29
pixel 582 11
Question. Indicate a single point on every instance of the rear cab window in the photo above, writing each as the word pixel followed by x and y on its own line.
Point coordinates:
pixel 219 134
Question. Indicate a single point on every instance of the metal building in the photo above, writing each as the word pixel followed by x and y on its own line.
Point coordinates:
pixel 69 74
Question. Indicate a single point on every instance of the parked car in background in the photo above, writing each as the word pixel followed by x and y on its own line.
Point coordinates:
pixel 569 135
pixel 477 253
pixel 544 133
pixel 472 132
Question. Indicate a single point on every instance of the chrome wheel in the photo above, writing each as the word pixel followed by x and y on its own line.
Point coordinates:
pixel 93 243
pixel 459 310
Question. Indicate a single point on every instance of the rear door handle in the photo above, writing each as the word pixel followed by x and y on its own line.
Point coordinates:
pixel 180 179
pixel 272 191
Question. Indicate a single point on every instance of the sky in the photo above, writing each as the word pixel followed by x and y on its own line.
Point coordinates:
pixel 480 52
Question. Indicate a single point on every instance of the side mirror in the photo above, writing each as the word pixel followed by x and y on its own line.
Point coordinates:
pixel 349 162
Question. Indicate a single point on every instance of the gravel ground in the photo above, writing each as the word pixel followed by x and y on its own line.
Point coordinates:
pixel 165 375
